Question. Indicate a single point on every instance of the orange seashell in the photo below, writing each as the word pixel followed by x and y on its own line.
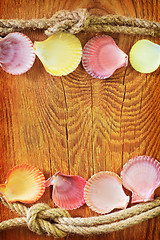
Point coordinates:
pixel 68 190
pixel 103 192
pixel 24 183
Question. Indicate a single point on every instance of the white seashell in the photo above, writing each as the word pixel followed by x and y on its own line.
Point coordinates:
pixel 141 175
pixel 103 192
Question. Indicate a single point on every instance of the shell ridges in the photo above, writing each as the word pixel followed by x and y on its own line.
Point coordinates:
pixel 101 57
pixel 24 184
pixel 141 175
pixel 103 192
pixel 16 53
pixel 68 190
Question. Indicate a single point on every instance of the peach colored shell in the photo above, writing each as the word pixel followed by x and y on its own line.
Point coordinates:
pixel 103 192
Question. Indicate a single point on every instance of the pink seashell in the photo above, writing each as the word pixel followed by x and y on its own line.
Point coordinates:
pixel 101 57
pixel 16 53
pixel 68 191
pixel 103 192
pixel 141 175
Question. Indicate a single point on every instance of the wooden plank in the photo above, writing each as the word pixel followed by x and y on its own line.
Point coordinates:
pixel 78 124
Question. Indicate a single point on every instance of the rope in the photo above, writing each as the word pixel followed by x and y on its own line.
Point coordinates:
pixel 81 20
pixel 56 222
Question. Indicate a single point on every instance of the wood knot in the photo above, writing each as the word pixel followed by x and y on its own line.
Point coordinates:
pixel 42 219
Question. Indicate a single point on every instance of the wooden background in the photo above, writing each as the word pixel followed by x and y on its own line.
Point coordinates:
pixel 77 124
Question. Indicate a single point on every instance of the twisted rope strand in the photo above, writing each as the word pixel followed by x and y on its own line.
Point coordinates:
pixel 112 217
pixel 123 20
pixel 15 207
pixel 11 223
pixel 108 228
pixel 79 20
pixel 42 219
pixel 123 29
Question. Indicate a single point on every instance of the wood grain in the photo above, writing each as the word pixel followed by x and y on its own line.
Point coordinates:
pixel 78 124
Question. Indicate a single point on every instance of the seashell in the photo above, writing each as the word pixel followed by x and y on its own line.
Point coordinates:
pixel 145 56
pixel 68 190
pixel 60 54
pixel 101 57
pixel 103 192
pixel 24 183
pixel 141 175
pixel 16 53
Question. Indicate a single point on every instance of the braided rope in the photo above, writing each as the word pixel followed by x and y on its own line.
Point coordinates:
pixel 42 219
pixel 79 20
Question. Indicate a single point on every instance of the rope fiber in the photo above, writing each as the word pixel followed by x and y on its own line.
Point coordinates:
pixel 82 20
pixel 56 222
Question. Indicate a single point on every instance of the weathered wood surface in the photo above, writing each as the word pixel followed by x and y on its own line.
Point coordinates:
pixel 78 124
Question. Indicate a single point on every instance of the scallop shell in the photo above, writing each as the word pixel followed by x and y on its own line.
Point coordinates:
pixel 68 191
pixel 101 57
pixel 103 192
pixel 141 175
pixel 24 183
pixel 16 53
pixel 145 56
pixel 60 54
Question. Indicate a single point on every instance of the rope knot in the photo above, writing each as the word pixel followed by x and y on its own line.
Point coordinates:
pixel 42 219
pixel 67 21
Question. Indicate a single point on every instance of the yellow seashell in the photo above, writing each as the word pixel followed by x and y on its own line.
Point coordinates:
pixel 145 56
pixel 60 54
